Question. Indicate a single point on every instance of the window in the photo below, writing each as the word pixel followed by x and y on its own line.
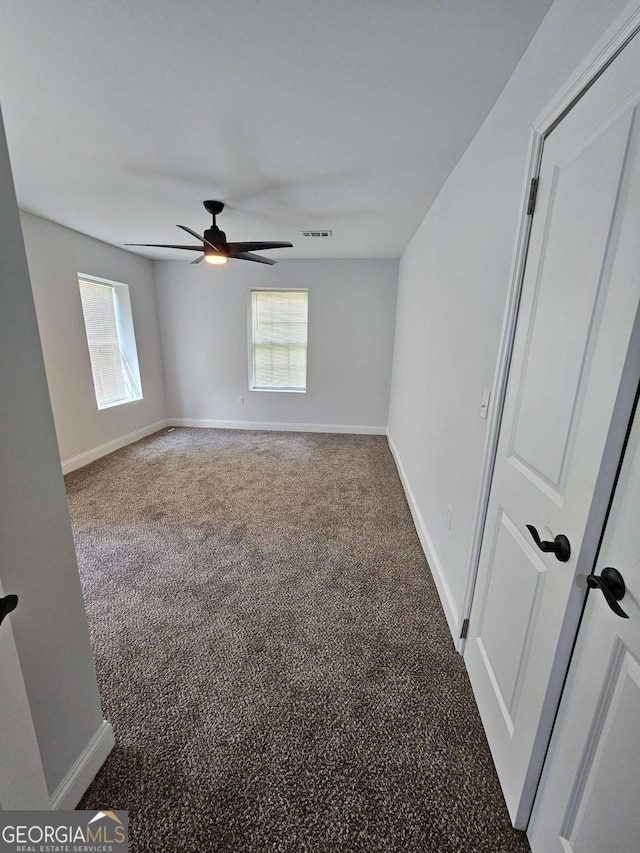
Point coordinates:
pixel 112 344
pixel 279 340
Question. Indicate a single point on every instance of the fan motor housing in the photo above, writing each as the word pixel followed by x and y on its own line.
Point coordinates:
pixel 216 236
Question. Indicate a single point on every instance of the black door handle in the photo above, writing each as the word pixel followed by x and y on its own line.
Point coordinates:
pixel 560 546
pixel 611 585
pixel 7 604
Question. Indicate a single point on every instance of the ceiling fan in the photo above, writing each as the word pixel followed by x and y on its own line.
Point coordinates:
pixel 214 243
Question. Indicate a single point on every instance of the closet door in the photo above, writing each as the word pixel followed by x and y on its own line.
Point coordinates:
pixel 589 798
pixel 22 784
pixel 580 294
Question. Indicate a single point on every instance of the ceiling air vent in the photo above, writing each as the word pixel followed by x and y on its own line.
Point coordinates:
pixel 322 233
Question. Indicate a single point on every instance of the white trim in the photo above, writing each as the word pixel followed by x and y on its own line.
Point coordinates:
pixel 104 449
pixel 616 37
pixel 276 426
pixel 69 792
pixel 612 42
pixel 435 565
pixel 250 334
pixel 501 374
pixel 126 337
pixel 108 281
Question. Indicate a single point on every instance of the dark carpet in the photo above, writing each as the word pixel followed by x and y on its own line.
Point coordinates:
pixel 272 653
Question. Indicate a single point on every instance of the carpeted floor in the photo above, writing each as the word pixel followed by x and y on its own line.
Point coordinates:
pixel 272 653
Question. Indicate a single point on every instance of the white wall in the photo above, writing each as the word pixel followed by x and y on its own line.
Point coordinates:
pixel 56 255
pixel 454 277
pixel 37 558
pixel 203 322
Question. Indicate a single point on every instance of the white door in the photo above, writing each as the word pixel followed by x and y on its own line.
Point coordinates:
pixel 22 783
pixel 580 294
pixel 589 797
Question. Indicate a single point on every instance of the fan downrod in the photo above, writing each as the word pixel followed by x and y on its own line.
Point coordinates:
pixel 214 208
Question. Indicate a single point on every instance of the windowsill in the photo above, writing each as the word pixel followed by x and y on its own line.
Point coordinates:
pixel 281 390
pixel 119 403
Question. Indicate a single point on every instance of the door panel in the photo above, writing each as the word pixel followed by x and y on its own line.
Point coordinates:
pixel 564 320
pixel 579 299
pixel 589 797
pixel 608 768
pixel 513 592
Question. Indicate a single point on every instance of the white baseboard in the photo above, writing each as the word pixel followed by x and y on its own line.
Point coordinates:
pixel 277 426
pixel 69 792
pixel 437 569
pixel 82 459
pixel 91 455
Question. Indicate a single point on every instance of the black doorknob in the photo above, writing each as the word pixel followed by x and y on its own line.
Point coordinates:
pixel 611 584
pixel 7 604
pixel 560 546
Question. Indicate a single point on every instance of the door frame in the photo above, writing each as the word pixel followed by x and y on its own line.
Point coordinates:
pixel 624 29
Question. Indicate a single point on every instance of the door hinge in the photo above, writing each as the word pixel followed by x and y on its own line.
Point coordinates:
pixel 533 192
pixel 465 628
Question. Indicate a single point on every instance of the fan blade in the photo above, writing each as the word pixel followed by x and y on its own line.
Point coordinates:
pixel 192 232
pixel 166 246
pixel 247 256
pixel 250 247
pixel 197 260
pixel 206 242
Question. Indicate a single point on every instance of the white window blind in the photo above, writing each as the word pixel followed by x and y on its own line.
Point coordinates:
pixel 113 379
pixel 279 340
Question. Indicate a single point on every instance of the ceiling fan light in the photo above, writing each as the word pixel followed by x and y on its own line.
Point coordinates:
pixel 216 259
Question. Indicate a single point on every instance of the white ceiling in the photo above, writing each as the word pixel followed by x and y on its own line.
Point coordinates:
pixel 123 115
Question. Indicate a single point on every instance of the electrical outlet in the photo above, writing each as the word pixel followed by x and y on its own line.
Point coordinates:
pixel 241 401
pixel 449 517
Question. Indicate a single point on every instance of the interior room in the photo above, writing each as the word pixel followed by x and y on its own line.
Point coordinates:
pixel 317 524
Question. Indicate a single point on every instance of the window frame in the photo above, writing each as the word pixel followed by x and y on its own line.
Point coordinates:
pixel 252 387
pixel 125 332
